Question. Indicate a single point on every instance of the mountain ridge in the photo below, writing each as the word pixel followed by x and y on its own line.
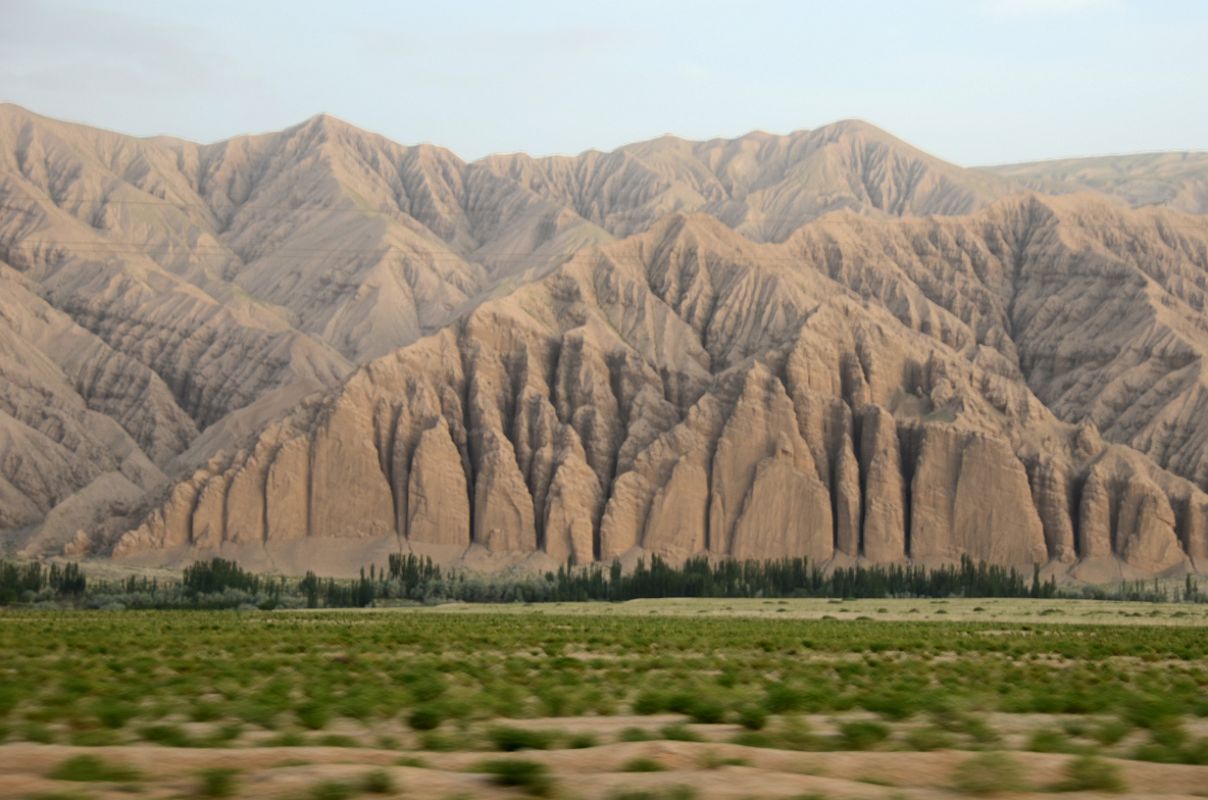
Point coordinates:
pixel 683 280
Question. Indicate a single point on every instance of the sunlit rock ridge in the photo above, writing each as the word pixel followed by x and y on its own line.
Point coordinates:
pixel 309 349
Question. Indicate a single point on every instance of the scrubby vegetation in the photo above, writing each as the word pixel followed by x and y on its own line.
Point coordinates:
pixel 711 692
pixel 219 584
pixel 529 776
pixel 988 774
pixel 452 681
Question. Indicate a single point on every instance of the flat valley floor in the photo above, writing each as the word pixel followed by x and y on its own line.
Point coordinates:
pixel 647 699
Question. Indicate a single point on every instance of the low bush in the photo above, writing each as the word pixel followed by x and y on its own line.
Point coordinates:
pixel 338 740
pixel 862 734
pixel 167 735
pixel 425 717
pixel 314 716
pixel 988 773
pixel 711 760
pixel 704 710
pixel 114 714
pixel 510 740
pixel 927 739
pixel 217 782
pixel 668 793
pixel 92 769
pixel 1091 774
pixel 752 717
pixel 642 764
pixel 530 776
pixel 411 761
pixel 331 790
pixel 1111 732
pixel 581 741
pixel 1048 740
pixel 636 735
pixel 680 733
pixel 378 782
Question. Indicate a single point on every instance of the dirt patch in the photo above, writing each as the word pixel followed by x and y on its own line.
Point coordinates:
pixel 712 770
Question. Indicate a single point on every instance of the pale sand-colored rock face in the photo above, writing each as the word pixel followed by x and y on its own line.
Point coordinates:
pixel 312 348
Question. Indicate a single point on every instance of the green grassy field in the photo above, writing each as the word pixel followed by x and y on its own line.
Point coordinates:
pixel 799 676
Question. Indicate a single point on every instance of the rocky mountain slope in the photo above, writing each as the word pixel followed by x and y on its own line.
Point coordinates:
pixel 311 348
pixel 1174 180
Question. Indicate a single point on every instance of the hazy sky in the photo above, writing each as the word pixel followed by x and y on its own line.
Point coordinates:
pixel 974 81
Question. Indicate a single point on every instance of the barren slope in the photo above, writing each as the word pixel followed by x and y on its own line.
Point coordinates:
pixel 763 185
pixel 751 347
pixel 239 277
pixel 1174 180
pixel 689 391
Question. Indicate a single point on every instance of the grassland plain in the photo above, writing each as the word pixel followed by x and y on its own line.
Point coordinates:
pixel 667 698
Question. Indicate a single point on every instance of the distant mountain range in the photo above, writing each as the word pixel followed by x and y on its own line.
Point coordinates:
pixel 308 349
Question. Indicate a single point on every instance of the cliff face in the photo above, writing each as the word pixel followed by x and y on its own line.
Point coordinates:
pixel 311 348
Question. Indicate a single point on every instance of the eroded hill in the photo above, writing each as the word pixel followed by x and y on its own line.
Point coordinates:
pixel 754 348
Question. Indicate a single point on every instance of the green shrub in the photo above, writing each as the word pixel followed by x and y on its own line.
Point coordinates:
pixel 706 711
pixel 753 739
pixel 862 734
pixel 649 702
pixel 411 761
pixel 314 716
pixel 338 740
pixel 1152 712
pixel 510 740
pixel 1111 732
pixel 636 735
pixel 581 741
pixel 1047 740
pixel 926 739
pixel 892 705
pixel 331 790
pixel 93 769
pixel 642 764
pixel 794 733
pixel 781 698
pixel 204 712
pixel 988 773
pixel 97 737
pixel 680 733
pixel 217 782
pixel 753 718
pixel 527 775
pixel 287 739
pixel 35 732
pixel 669 793
pixel 425 718
pixel 114 714
pixel 167 735
pixel 712 761
pixel 439 742
pixel 1091 774
pixel 378 782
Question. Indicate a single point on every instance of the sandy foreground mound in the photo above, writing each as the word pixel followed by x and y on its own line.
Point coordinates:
pixel 598 772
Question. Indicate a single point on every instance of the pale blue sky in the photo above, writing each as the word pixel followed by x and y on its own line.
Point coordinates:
pixel 973 81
